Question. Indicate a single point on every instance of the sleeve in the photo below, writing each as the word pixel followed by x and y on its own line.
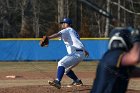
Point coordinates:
pixel 62 31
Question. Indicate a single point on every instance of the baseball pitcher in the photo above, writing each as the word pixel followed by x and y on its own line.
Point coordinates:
pixel 76 53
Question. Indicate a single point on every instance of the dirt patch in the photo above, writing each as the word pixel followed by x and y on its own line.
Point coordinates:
pixel 35 82
pixel 49 89
pixel 35 79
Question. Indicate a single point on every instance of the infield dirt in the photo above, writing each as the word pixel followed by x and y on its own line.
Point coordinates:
pixel 32 77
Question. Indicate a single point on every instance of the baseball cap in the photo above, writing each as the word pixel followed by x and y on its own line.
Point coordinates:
pixel 66 20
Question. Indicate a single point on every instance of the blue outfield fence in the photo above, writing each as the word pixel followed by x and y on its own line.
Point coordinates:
pixel 30 50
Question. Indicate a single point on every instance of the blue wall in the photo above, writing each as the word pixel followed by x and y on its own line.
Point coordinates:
pixel 23 50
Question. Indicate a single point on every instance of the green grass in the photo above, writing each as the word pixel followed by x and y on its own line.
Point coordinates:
pixel 44 66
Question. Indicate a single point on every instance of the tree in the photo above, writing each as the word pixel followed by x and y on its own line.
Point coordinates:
pixel 9 14
pixel 63 9
pixel 33 18
pixel 27 21
pixel 36 12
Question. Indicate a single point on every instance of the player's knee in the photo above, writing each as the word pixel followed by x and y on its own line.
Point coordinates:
pixel 67 70
pixel 60 64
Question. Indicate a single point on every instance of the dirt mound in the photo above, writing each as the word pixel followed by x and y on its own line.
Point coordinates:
pixel 50 89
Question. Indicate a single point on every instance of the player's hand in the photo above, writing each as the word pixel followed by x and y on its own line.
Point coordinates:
pixel 86 54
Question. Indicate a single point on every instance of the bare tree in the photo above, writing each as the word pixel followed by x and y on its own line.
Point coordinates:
pixel 36 11
pixel 63 9
pixel 107 19
pixel 60 9
pixel 27 21
pixel 33 18
pixel 4 25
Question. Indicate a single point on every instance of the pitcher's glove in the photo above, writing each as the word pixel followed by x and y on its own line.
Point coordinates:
pixel 44 41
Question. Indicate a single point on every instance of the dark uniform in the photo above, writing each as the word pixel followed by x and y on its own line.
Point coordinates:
pixel 111 77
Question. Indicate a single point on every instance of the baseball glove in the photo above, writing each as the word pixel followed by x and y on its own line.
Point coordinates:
pixel 44 41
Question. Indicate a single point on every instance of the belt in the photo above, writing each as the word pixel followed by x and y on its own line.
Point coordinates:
pixel 79 50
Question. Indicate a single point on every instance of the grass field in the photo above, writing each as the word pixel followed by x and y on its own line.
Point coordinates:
pixel 44 66
pixel 32 77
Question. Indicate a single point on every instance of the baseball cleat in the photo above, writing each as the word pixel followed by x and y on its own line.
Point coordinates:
pixel 76 83
pixel 55 83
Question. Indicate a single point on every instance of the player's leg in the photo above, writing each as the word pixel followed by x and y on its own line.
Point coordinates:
pixel 120 85
pixel 76 81
pixel 60 71
pixel 72 75
pixel 66 63
pixel 75 60
pixel 122 81
pixel 57 81
pixel 99 82
pixel 64 66
pixel 104 80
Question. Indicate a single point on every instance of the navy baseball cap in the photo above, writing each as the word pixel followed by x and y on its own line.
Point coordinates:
pixel 66 20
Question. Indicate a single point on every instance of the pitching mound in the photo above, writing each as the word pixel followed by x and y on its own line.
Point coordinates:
pixel 50 89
